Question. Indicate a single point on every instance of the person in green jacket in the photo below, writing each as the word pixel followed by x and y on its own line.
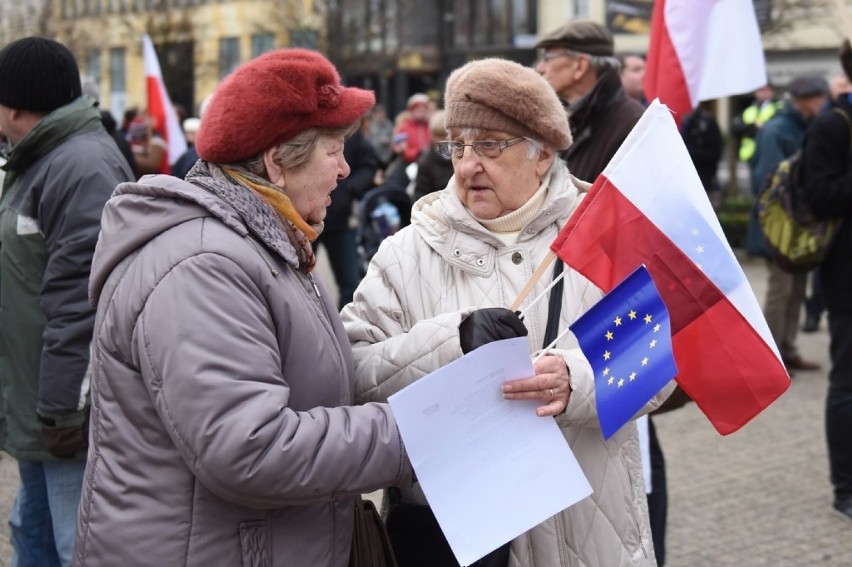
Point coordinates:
pixel 758 113
pixel 61 170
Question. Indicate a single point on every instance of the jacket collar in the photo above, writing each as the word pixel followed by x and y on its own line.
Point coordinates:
pixel 259 217
pixel 77 117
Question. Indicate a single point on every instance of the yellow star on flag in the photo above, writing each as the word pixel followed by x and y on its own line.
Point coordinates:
pixel 617 321
pixel 648 318
pixel 609 335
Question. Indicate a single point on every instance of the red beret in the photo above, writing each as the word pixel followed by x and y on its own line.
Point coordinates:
pixel 273 98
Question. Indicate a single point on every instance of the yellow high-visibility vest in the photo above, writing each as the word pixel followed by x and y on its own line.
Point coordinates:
pixel 758 115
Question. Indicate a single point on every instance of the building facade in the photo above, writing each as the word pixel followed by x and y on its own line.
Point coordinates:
pixel 198 42
pixel 395 47
pixel 400 47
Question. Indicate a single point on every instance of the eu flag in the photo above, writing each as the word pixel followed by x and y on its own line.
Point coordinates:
pixel 627 338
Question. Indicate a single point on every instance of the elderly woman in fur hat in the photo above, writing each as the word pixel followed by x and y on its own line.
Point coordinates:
pixel 439 287
pixel 222 430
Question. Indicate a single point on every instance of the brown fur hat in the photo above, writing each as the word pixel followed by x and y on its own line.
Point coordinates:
pixel 271 99
pixel 501 95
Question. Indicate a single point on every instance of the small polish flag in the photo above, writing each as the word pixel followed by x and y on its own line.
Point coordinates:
pixel 160 107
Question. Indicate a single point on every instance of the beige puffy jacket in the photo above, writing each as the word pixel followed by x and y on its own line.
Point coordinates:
pixel 403 324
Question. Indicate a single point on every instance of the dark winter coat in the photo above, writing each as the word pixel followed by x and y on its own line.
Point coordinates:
pixel 58 178
pixel 600 122
pixel 703 141
pixel 363 164
pixel 433 173
pixel 828 188
pixel 776 140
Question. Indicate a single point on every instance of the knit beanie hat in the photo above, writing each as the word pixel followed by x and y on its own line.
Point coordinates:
pixel 38 74
pixel 504 96
pixel 273 98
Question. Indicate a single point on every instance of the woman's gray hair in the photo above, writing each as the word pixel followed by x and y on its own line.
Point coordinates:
pixel 603 63
pixel 296 151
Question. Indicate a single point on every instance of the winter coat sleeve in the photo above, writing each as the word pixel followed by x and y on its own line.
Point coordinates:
pixel 214 374
pixel 392 347
pixel 826 172
pixel 69 213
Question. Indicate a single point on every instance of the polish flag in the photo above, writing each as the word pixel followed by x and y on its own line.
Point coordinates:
pixel 701 50
pixel 649 207
pixel 160 107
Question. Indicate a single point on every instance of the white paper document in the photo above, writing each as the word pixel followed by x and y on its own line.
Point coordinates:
pixel 490 468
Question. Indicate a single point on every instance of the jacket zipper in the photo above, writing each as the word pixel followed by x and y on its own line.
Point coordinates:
pixel 314 283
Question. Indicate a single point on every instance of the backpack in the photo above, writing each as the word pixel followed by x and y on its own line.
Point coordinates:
pixel 796 239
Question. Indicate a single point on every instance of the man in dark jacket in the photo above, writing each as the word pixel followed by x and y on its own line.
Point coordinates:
pixel 433 170
pixel 777 140
pixel 578 60
pixel 828 189
pixel 62 168
pixel 703 141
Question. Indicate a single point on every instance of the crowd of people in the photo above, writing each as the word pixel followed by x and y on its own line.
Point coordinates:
pixel 179 386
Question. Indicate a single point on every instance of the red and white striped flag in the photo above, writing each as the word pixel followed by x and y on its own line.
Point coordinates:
pixel 701 50
pixel 160 106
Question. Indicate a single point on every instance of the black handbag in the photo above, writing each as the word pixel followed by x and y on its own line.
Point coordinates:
pixel 371 545
pixel 419 542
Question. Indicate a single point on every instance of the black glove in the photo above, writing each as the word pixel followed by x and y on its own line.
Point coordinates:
pixel 485 326
pixel 64 442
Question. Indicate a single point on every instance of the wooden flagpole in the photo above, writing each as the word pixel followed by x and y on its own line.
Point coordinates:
pixel 528 287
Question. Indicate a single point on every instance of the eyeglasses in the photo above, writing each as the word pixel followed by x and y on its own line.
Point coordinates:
pixel 484 148
pixel 546 56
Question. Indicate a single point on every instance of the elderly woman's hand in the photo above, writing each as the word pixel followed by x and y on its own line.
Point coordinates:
pixel 551 384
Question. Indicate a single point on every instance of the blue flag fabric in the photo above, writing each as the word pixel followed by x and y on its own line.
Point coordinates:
pixel 627 338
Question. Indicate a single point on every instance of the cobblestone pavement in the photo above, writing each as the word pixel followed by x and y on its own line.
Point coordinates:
pixel 758 497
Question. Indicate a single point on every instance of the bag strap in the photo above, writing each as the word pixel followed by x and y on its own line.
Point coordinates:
pixel 554 305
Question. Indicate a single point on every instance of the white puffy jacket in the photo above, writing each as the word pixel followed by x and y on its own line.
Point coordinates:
pixel 403 324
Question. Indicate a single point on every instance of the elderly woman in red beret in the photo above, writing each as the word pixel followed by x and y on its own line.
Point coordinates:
pixel 222 431
pixel 439 288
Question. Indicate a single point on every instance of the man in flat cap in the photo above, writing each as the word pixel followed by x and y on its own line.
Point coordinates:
pixel 578 60
pixel 62 168
pixel 777 140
